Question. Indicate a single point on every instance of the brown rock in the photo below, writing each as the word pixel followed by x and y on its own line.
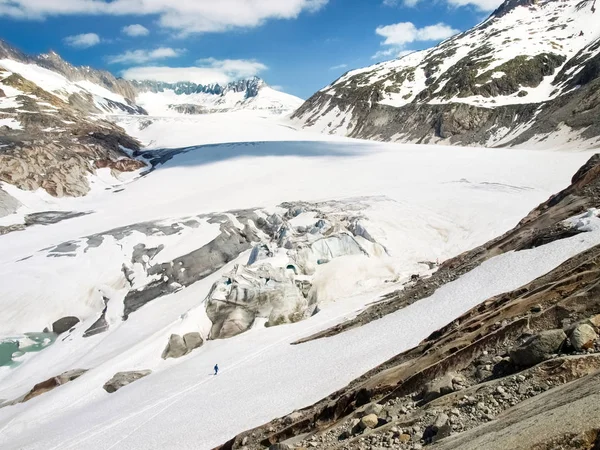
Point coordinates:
pixel 52 383
pixel 369 421
pixel 121 165
pixel 583 337
pixel 404 438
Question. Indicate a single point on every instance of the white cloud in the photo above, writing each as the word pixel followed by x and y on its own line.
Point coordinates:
pixel 136 30
pixel 339 66
pixel 82 40
pixel 234 68
pixel 398 35
pixel 144 56
pixel 403 33
pixel 483 5
pixel 184 16
pixel 207 71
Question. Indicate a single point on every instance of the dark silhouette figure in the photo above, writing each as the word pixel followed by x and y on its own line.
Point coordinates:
pixel 216 369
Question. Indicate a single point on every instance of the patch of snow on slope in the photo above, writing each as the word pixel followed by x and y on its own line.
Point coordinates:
pixel 11 123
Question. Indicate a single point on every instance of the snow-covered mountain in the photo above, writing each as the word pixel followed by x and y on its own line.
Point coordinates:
pixel 189 98
pixel 527 72
pixel 57 120
pixel 85 89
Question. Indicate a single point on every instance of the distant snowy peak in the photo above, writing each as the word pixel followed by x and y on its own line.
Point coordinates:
pixel 526 53
pixel 98 92
pixel 252 94
pixel 250 86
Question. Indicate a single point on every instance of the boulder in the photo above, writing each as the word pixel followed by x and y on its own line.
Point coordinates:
pixel 65 324
pixel 192 341
pixel 439 429
pixel 122 379
pixel 538 348
pixel 176 347
pixel 369 421
pixel 438 387
pixel 52 383
pixel 280 447
pixel 98 327
pixel 583 337
pixel 293 417
pixel 595 321
pixel 373 408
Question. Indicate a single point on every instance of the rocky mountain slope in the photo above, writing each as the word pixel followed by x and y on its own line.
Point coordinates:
pixel 55 119
pixel 498 376
pixel 50 137
pixel 528 74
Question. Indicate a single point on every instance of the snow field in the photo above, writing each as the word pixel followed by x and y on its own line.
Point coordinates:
pixel 262 376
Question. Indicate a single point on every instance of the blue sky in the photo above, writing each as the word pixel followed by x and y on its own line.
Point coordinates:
pixel 298 46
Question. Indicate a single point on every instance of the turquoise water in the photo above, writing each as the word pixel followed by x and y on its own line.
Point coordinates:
pixel 13 347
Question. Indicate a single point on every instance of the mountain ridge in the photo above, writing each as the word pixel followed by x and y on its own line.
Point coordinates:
pixel 485 86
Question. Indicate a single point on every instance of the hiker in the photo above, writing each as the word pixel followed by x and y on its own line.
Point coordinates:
pixel 216 369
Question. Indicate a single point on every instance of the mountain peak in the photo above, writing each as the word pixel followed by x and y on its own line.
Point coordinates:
pixel 509 5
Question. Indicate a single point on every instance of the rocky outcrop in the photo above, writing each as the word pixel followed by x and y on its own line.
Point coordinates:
pixel 175 348
pixel 53 383
pixel 54 142
pixel 65 324
pixel 8 204
pixel 123 379
pixel 180 346
pixel 193 341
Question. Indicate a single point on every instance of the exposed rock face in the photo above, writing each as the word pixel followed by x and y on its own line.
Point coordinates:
pixel 52 61
pixel 176 347
pixel 65 324
pixel 463 92
pixel 192 341
pixel 436 388
pixel 52 383
pixel 53 142
pixel 122 379
pixel 538 348
pixel 180 346
pixel 8 204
